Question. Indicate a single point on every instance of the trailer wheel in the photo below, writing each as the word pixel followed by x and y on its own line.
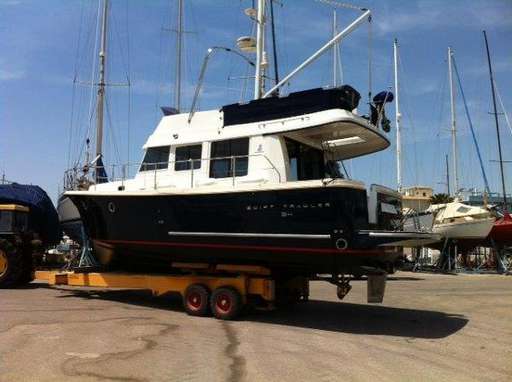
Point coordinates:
pixel 226 303
pixel 11 267
pixel 196 300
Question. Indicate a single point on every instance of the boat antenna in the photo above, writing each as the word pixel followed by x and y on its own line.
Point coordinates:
pixel 202 73
pixel 259 78
pixel 453 122
pixel 398 117
pixel 99 173
pixel 274 45
pixel 179 48
pixel 497 123
pixel 334 50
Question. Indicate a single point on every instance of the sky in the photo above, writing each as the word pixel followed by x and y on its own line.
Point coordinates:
pixel 49 52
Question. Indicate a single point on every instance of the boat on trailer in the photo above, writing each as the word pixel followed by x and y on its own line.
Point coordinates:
pixel 253 183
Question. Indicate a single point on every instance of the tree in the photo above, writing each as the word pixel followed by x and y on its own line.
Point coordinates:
pixel 441 198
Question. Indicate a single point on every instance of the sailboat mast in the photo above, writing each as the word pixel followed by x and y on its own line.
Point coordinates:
pixel 334 50
pixel 497 123
pixel 179 48
pixel 447 175
pixel 260 37
pixel 101 84
pixel 453 123
pixel 398 117
pixel 274 44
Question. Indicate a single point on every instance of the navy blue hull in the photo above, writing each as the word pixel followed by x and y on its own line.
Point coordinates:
pixel 309 230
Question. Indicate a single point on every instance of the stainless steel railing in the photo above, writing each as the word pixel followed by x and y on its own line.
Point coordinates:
pixel 83 178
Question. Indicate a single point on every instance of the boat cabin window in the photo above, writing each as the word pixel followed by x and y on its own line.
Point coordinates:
pixel 227 156
pixel 185 155
pixel 156 158
pixel 307 162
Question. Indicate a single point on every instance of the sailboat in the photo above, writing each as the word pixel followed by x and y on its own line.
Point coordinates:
pixel 79 178
pixel 501 233
pixel 412 220
pixel 253 183
pixel 456 220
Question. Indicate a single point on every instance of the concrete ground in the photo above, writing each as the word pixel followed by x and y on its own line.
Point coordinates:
pixel 430 328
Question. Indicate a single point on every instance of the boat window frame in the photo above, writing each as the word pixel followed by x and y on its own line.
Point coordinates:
pixel 296 167
pixel 184 164
pixel 241 160
pixel 154 166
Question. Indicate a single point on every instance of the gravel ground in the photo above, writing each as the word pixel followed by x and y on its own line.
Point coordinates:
pixel 430 328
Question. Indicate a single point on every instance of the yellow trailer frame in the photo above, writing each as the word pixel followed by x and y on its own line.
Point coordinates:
pixel 248 281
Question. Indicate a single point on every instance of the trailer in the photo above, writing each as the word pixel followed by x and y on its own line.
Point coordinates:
pixel 222 290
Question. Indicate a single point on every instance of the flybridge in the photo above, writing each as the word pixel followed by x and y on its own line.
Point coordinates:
pixel 299 103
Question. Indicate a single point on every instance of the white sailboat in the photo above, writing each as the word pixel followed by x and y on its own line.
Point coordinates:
pixel 456 220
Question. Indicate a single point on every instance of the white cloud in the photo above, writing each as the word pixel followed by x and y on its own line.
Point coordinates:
pixel 11 75
pixel 432 15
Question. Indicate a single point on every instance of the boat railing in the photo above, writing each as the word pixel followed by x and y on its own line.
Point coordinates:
pixel 155 172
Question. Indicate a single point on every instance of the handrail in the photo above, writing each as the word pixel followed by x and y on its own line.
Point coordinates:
pixel 72 180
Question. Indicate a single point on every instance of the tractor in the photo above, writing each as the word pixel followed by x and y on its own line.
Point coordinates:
pixel 17 245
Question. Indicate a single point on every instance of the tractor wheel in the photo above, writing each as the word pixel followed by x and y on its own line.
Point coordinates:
pixel 15 266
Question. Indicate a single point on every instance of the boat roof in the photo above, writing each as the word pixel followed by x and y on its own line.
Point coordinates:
pixel 322 118
pixel 457 209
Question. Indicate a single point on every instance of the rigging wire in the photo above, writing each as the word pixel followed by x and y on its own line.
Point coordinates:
pixel 93 70
pixel 117 156
pixel 484 175
pixel 502 106
pixel 129 85
pixel 340 5
pixel 158 88
pixel 408 112
pixel 370 41
pixel 75 75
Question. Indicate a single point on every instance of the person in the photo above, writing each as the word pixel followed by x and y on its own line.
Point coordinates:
pixel 378 110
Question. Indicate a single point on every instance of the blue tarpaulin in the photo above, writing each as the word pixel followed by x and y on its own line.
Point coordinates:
pixel 43 217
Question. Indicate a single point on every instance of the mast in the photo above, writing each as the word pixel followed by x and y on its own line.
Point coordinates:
pixel 334 50
pixel 179 48
pixel 274 45
pixel 260 37
pixel 398 117
pixel 497 124
pixel 453 123
pixel 447 174
pixel 101 84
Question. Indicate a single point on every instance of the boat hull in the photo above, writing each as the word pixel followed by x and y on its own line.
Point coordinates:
pixel 474 230
pixel 310 230
pixel 69 218
pixel 501 232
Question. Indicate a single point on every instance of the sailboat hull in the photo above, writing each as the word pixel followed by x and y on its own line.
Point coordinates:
pixel 309 230
pixel 501 232
pixel 69 218
pixel 474 229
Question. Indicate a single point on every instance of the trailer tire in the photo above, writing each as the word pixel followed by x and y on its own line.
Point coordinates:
pixel 226 303
pixel 12 266
pixel 196 300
